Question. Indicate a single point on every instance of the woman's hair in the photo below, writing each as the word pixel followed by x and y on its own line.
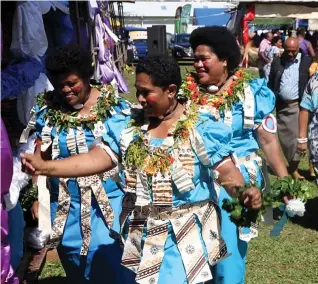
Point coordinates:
pixel 301 31
pixel 70 59
pixel 162 69
pixel 221 41
pixel 275 39
pixel 66 60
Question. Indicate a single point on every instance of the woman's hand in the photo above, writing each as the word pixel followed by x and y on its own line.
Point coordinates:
pixel 252 198
pixel 35 210
pixel 302 147
pixel 32 164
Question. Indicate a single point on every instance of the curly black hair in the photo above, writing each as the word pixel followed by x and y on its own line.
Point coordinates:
pixel 162 69
pixel 221 41
pixel 275 40
pixel 70 59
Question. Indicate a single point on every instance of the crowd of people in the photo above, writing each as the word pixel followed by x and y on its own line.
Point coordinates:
pixel 136 191
pixel 287 68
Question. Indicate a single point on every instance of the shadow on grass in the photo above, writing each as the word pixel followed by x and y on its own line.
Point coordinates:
pixel 53 280
pixel 310 218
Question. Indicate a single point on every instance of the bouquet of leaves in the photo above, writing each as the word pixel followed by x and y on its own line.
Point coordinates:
pixel 239 214
pixel 295 190
pixel 28 196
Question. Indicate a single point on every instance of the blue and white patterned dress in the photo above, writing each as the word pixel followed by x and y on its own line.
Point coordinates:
pixel 173 243
pixel 244 118
pixel 83 210
pixel 310 102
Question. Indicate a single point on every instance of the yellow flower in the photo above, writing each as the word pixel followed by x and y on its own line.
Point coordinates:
pixel 188 124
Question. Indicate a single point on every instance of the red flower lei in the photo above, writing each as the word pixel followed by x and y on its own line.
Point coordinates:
pixel 225 98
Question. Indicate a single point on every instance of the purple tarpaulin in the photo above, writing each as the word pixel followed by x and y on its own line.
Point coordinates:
pixel 107 70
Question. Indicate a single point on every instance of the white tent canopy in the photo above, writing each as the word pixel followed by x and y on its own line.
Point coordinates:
pixel 282 10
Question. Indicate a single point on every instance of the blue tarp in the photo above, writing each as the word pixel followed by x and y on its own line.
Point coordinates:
pixel 210 16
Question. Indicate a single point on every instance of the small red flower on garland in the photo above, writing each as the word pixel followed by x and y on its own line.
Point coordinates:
pixel 225 98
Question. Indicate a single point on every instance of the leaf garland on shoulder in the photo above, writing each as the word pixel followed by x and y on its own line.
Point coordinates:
pixel 224 99
pixel 152 160
pixel 66 120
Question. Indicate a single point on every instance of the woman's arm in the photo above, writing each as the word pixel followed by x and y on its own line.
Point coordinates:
pixel 95 161
pixel 271 148
pixel 44 155
pixel 311 49
pixel 303 128
pixel 230 178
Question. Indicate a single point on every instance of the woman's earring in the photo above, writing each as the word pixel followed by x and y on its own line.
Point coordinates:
pixel 224 64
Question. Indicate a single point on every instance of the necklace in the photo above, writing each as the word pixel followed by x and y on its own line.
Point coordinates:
pixel 224 98
pixel 140 154
pixel 162 117
pixel 101 110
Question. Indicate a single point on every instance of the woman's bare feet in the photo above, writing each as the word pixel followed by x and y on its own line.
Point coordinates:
pixel 297 175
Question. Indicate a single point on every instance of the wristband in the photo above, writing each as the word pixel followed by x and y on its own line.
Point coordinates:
pixel 302 140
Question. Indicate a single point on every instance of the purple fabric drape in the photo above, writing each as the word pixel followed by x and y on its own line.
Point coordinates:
pixel 106 67
pixel 7 273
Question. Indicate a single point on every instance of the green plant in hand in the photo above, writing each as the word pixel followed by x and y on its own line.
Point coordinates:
pixel 239 214
pixel 288 186
pixel 282 187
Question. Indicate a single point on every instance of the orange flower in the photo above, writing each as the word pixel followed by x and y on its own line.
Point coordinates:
pixel 204 100
pixel 192 86
pixel 190 78
pixel 185 133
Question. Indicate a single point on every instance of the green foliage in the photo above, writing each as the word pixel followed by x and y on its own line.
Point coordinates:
pixel 29 196
pixel 67 120
pixel 239 214
pixel 280 188
pixel 288 186
pixel 136 154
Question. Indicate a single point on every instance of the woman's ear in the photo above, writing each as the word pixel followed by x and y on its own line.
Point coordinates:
pixel 172 91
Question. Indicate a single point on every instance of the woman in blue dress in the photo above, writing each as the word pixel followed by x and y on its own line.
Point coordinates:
pixel 246 106
pixel 167 150
pixel 308 122
pixel 84 211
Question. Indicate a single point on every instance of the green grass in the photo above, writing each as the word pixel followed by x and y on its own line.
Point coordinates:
pixel 291 258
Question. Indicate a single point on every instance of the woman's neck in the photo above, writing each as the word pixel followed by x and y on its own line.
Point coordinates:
pixel 160 128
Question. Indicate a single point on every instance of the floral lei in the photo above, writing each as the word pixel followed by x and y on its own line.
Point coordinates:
pixel 223 99
pixel 66 120
pixel 140 155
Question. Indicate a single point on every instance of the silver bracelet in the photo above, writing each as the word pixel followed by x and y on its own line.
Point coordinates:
pixel 302 140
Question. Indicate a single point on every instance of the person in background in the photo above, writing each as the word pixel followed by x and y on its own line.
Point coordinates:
pixel 312 70
pixel 288 77
pixel 263 59
pixel 314 66
pixel 130 53
pixel 308 122
pixel 272 51
pixel 305 45
pixel 241 47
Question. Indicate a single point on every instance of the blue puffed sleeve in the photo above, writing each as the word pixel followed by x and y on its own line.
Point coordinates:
pixel 39 120
pixel 309 100
pixel 216 137
pixel 264 99
pixel 114 126
pixel 121 105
